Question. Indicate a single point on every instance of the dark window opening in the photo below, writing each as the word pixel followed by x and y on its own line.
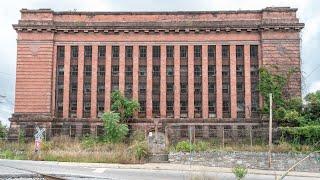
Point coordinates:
pixel 212 52
pixel 169 105
pixel 197 70
pixel 239 70
pixel 74 52
pixel 87 51
pixel 183 105
pixel 183 87
pixel 115 52
pixel 254 52
pixel 142 51
pixel 101 52
pixel 87 88
pixel 128 71
pixel 170 51
pixel 60 70
pixel 142 106
pixel 183 51
pixel 239 52
pixel 101 70
pixel 212 88
pixel 197 51
pixel 60 52
pixel 142 88
pixel 74 88
pixel 225 106
pixel 129 50
pixel 225 88
pixel 170 87
pixel 74 70
pixel 87 70
pixel 156 71
pixel 101 87
pixel 197 88
pixel 156 52
pixel 184 70
pixel 239 86
pixel 212 106
pixel 170 71
pixel 225 52
pixel 115 70
pixel 225 70
pixel 142 70
pixel 211 70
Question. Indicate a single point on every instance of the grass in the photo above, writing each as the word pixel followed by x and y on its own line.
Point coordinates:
pixel 65 149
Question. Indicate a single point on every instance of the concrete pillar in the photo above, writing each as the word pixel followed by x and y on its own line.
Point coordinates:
pixel 163 81
pixel 66 82
pixel 247 81
pixel 80 82
pixel 94 81
pixel 219 81
pixel 176 81
pixel 107 79
pixel 205 95
pixel 233 82
pixel 122 68
pixel 149 83
pixel 190 81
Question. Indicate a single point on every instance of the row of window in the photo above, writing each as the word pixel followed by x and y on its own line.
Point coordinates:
pixel 156 52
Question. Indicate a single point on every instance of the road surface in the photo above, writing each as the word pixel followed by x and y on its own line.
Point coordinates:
pixel 31 169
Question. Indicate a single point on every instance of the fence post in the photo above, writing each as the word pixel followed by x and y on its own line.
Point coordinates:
pixel 223 138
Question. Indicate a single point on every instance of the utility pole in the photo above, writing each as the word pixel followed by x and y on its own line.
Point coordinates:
pixel 270 129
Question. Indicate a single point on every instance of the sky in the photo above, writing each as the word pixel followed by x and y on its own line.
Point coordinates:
pixel 308 13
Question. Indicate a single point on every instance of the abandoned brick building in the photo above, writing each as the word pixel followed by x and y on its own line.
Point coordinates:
pixel 197 67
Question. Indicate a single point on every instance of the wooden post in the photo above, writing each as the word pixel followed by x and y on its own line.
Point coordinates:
pixel 270 129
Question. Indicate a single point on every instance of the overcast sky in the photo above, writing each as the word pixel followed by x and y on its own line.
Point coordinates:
pixel 308 12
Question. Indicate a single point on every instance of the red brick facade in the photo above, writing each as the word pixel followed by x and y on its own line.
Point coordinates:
pixel 201 63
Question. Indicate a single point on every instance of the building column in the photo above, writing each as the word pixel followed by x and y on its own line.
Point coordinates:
pixel 247 81
pixel 122 68
pixel 66 82
pixel 190 81
pixel 205 96
pixel 219 81
pixel 107 83
pixel 80 81
pixel 176 80
pixel 233 82
pixel 54 81
pixel 94 81
pixel 149 83
pixel 163 81
pixel 135 72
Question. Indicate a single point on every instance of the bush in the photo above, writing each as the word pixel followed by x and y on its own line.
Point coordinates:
pixel 3 131
pixel 89 141
pixel 114 130
pixel 184 146
pixel 201 146
pixel 140 150
pixel 240 172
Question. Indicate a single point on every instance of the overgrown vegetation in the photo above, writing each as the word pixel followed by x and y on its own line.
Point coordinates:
pixel 3 131
pixel 299 123
pixel 240 172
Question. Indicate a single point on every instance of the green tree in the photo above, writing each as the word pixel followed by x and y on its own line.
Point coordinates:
pixel 3 131
pixel 312 109
pixel 124 106
pixel 114 131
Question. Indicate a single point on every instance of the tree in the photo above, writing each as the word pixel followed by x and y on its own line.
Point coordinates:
pixel 312 109
pixel 3 131
pixel 124 106
pixel 114 130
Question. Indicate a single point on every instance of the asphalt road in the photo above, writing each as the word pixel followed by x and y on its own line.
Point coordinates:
pixel 32 169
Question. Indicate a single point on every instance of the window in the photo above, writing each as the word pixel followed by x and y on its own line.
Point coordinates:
pixel 142 70
pixel 86 106
pixel 211 52
pixel 60 106
pixel 254 70
pixel 183 105
pixel 239 86
pixel 170 51
pixel 87 70
pixel 183 70
pixel 101 70
pixel 87 51
pixel 240 105
pixel 155 105
pixel 142 52
pixel 183 51
pixel 197 105
pixel 254 52
pixel 60 52
pixel 74 70
pixel 74 88
pixel 225 88
pixel 183 87
pixel 225 106
pixel 169 105
pixel 74 52
pixel 239 52
pixel 101 88
pixel 156 52
pixel 101 52
pixel 225 70
pixel 100 106
pixel 239 70
pixel 155 88
pixel 197 51
pixel 142 106
pixel 128 71
pixel 211 87
pixel 197 88
pixel 87 88
pixel 170 87
pixel 60 88
pixel 225 52
pixel 115 70
pixel 156 71
pixel 211 70
pixel 60 70
pixel 115 52
pixel 142 88
pixel 129 50
pixel 128 87
pixel 212 106
pixel 114 86
pixel 197 70
pixel 170 71
pixel 73 105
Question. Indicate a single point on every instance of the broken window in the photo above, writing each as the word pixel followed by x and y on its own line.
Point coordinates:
pixel 101 87
pixel 142 88
pixel 170 71
pixel 156 71
pixel 239 70
pixel 169 105
pixel 115 70
pixel 197 70
pixel 197 88
pixel 211 70
pixel 142 70
pixel 225 88
pixel 170 87
pixel 87 88
pixel 60 70
pixel 211 88
pixel 183 87
pixel 101 52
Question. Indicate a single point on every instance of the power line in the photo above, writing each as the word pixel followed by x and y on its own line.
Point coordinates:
pixel 313 71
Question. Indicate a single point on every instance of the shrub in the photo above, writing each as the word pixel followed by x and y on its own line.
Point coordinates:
pixel 140 150
pixel 201 146
pixel 88 141
pixel 21 136
pixel 3 131
pixel 240 172
pixel 138 135
pixel 184 146
pixel 114 130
